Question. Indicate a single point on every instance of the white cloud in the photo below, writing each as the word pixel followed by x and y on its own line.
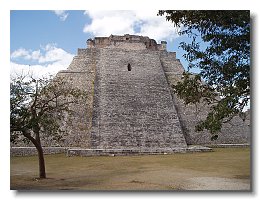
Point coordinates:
pixel 54 54
pixel 48 53
pixel 35 55
pixel 50 59
pixel 21 53
pixel 141 22
pixel 62 14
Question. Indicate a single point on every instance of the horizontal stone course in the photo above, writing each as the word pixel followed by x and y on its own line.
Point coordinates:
pixel 124 152
pixel 30 151
pixel 227 145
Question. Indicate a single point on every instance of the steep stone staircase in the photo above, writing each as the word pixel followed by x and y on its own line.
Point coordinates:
pixel 133 109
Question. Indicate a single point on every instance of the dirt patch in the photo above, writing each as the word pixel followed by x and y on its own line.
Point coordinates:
pixel 216 183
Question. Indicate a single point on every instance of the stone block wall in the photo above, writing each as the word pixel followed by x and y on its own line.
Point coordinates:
pixel 127 46
pixel 80 74
pixel 32 151
pixel 125 41
pixel 133 109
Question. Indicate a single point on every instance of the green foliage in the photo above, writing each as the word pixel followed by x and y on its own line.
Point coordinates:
pixel 37 107
pixel 220 48
pixel 191 89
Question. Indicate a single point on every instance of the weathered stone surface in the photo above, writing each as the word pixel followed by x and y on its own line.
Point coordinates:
pixel 30 151
pixel 131 152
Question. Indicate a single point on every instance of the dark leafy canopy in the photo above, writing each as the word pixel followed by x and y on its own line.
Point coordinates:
pixel 220 47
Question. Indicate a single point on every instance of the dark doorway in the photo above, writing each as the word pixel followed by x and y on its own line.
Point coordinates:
pixel 129 68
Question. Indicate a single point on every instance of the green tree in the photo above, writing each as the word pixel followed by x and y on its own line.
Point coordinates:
pixel 37 107
pixel 219 45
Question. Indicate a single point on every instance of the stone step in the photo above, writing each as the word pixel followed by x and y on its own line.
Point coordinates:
pixel 123 152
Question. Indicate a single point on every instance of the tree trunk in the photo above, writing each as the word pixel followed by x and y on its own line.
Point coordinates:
pixel 37 144
pixel 36 130
pixel 40 153
pixel 42 172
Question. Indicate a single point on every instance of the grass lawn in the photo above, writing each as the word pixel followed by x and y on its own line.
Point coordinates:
pixel 223 169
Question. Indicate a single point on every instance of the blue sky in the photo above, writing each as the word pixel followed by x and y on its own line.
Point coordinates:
pixel 46 41
pixel 30 29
